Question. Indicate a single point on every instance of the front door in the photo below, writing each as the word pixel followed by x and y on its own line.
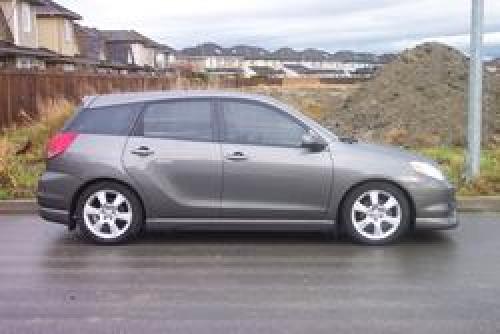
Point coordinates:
pixel 175 160
pixel 266 172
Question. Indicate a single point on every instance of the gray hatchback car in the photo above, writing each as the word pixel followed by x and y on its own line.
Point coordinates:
pixel 196 158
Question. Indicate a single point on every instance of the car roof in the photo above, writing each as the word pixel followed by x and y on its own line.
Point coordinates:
pixel 141 97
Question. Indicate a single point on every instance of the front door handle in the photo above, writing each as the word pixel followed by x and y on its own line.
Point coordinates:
pixel 143 151
pixel 236 156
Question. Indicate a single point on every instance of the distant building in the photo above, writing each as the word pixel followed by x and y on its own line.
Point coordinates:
pixel 493 66
pixel 284 62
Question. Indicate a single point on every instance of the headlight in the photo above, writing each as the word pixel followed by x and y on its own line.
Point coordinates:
pixel 427 169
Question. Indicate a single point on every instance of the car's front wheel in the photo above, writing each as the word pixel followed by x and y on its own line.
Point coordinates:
pixel 376 213
pixel 109 213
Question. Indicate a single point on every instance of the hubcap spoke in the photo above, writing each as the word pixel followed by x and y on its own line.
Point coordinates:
pixel 374 197
pixel 101 196
pixel 377 230
pixel 390 203
pixel 90 210
pixel 119 200
pixel 98 225
pixel 126 216
pixel 391 220
pixel 115 231
pixel 359 207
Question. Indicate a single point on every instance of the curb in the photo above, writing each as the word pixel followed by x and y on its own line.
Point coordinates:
pixel 465 204
pixel 21 206
pixel 479 204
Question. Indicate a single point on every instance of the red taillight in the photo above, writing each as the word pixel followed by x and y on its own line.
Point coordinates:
pixel 60 143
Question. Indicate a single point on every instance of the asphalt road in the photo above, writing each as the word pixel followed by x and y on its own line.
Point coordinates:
pixel 248 282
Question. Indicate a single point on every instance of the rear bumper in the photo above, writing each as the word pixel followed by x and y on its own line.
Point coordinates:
pixel 55 216
pixel 55 194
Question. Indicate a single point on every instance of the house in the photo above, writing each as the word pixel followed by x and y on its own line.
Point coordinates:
pixel 56 28
pixel 91 44
pixel 210 56
pixel 130 48
pixel 19 35
pixel 164 56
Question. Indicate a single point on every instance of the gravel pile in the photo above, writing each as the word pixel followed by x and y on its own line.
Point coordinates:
pixel 418 99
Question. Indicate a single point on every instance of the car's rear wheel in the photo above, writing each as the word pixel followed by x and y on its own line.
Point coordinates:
pixel 376 213
pixel 109 213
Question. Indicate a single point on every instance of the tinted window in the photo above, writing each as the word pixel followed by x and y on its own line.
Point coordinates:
pixel 190 120
pixel 115 120
pixel 248 123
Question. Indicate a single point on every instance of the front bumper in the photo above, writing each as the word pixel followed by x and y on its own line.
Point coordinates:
pixel 435 207
pixel 436 223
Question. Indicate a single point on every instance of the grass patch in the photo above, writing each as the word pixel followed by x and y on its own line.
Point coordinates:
pixel 452 161
pixel 22 150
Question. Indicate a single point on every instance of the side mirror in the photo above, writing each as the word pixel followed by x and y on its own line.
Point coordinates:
pixel 313 142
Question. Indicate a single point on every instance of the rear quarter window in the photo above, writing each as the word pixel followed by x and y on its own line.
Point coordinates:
pixel 114 120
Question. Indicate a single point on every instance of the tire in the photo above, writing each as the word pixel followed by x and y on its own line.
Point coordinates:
pixel 380 223
pixel 121 218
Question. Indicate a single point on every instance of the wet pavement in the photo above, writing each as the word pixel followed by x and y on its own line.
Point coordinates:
pixel 249 282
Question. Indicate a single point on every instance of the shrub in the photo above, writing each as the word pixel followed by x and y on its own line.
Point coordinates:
pixel 22 149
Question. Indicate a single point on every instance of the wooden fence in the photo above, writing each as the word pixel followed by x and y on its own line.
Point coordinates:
pixel 23 92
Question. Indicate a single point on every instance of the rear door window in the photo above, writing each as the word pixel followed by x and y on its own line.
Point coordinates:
pixel 113 120
pixel 185 120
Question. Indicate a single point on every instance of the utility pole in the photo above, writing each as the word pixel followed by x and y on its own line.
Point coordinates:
pixel 475 91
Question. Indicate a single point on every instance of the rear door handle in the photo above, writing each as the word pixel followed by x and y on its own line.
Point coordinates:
pixel 143 151
pixel 236 156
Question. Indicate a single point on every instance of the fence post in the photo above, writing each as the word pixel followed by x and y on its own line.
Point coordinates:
pixel 9 101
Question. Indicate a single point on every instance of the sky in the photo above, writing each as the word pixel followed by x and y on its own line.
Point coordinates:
pixel 361 25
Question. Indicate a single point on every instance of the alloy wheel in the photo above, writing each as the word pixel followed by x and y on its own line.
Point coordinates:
pixel 376 215
pixel 107 214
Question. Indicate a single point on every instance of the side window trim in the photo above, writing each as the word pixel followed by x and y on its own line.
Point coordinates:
pixel 221 109
pixel 138 130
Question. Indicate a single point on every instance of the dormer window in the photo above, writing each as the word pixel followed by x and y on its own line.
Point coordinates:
pixel 26 16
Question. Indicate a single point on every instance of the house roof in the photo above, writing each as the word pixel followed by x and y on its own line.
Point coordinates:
pixel 266 70
pixel 9 49
pixel 162 47
pixel 47 8
pixel 126 36
pixel 300 69
pixel 224 70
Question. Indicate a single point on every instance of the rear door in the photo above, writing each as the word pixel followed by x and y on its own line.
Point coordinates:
pixel 266 172
pixel 175 159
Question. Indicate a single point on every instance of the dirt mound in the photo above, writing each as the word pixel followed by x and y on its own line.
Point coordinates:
pixel 418 99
